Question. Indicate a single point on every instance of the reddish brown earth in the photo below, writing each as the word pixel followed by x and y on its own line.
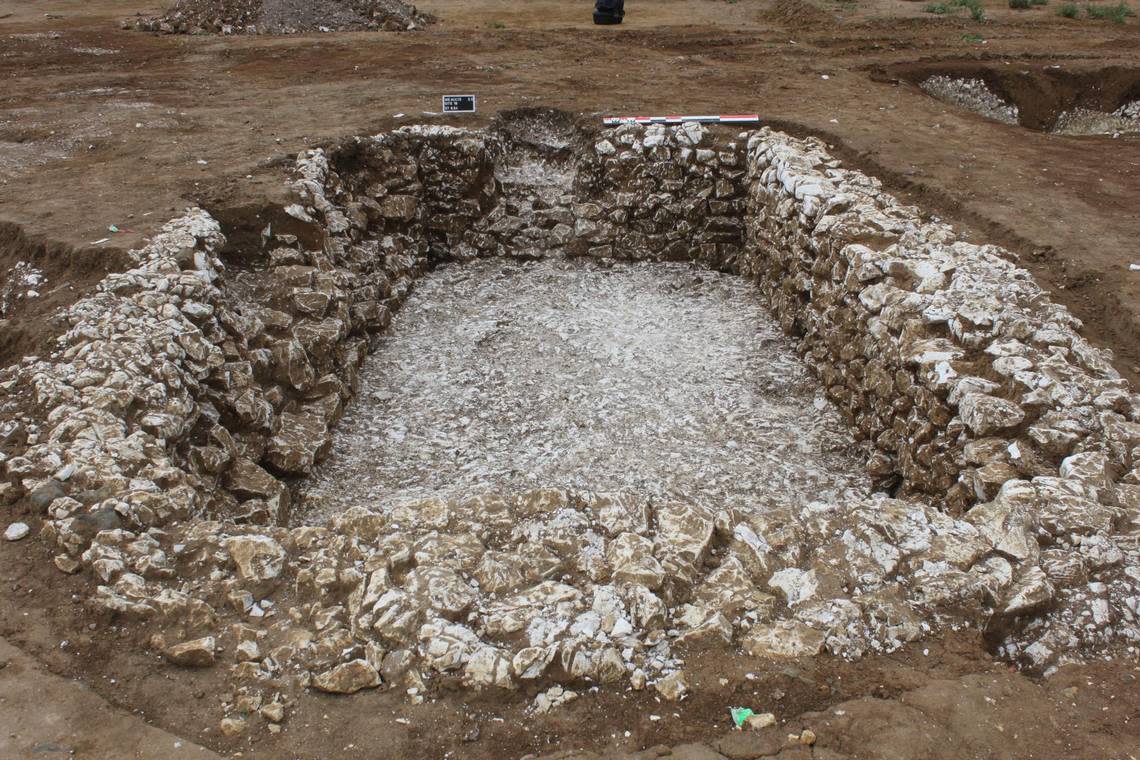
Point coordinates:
pixel 100 126
pixel 938 700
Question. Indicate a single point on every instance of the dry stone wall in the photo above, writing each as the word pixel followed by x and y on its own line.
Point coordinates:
pixel 299 320
pixel 969 386
pixel 974 388
pixel 662 194
pixel 159 440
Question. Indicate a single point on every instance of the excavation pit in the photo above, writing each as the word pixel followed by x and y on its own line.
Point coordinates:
pixel 508 409
pixel 1057 98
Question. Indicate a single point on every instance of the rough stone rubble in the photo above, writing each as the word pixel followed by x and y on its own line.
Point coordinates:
pixel 1085 121
pixel 657 378
pixel 21 282
pixel 282 17
pixel 157 442
pixel 973 95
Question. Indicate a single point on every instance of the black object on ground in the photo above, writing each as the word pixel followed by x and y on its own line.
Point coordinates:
pixel 609 11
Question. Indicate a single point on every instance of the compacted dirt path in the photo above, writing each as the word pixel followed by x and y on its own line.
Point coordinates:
pixel 44 715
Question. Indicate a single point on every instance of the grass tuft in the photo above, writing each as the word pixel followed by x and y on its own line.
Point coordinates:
pixel 1117 13
pixel 974 6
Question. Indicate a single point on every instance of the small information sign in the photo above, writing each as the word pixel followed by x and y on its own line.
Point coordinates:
pixel 459 104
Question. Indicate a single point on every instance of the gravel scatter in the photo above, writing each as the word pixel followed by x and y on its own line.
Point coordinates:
pixel 662 379
pixel 1084 121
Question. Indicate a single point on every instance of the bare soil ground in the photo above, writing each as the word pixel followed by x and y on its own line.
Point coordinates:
pixel 100 126
pixel 943 699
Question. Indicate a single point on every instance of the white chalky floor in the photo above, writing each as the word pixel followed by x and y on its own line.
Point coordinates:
pixel 661 379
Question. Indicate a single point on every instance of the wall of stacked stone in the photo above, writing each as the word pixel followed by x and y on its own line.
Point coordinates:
pixel 970 388
pixel 159 440
pixel 951 360
pixel 662 194
pixel 383 210
pixel 943 353
pixel 971 385
pixel 182 390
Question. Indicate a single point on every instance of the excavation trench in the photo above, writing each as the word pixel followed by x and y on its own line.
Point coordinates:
pixel 1060 98
pixel 541 407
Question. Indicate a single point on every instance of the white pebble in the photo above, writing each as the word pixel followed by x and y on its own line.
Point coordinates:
pixel 16 531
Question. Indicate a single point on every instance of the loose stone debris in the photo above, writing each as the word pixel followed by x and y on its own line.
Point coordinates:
pixel 20 283
pixel 160 443
pixel 282 17
pixel 652 378
pixel 1084 121
pixel 16 531
pixel 193 654
pixel 973 95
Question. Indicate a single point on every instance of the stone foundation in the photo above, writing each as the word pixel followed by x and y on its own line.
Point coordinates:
pixel 160 442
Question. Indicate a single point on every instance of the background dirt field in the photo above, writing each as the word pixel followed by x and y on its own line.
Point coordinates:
pixel 100 126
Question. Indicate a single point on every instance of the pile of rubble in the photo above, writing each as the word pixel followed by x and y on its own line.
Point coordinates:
pixel 20 283
pixel 1085 121
pixel 158 441
pixel 283 17
pixel 973 95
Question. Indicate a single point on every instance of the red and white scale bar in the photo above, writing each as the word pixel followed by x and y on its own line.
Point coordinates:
pixel 745 118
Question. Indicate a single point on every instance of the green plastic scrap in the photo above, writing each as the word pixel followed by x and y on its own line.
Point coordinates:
pixel 740 714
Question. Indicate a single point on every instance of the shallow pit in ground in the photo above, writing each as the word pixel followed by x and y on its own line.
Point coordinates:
pixel 589 283
pixel 1047 97
pixel 664 379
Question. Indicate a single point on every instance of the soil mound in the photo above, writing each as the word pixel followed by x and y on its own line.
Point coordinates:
pixel 284 17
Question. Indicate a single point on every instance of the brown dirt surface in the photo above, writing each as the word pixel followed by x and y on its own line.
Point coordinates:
pixel 103 126
pixel 27 325
pixel 937 700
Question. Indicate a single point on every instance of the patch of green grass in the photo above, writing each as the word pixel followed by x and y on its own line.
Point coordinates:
pixel 1114 13
pixel 976 11
pixel 1069 10
pixel 1038 2
pixel 496 25
pixel 974 6
pixel 972 38
pixel 1019 5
